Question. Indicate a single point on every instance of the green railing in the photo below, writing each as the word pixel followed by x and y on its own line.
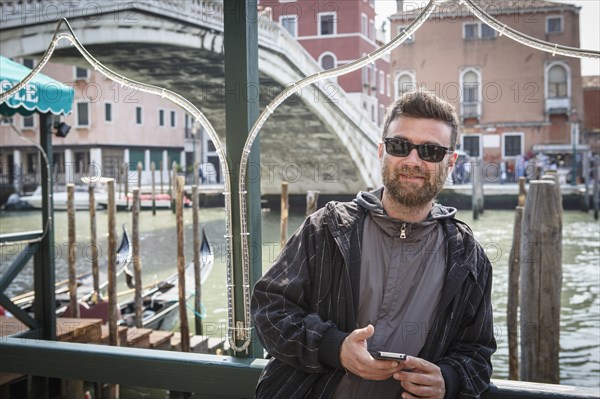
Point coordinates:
pixel 208 376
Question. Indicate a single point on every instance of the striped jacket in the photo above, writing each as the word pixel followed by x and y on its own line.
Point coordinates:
pixel 306 304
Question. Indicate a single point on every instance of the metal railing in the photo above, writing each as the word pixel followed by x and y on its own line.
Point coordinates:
pixel 206 375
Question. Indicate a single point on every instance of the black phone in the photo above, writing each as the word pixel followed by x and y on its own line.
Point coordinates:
pixel 381 355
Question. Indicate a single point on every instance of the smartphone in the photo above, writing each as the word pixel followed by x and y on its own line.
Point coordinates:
pixel 381 355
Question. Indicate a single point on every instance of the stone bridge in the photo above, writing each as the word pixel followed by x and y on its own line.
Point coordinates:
pixel 318 139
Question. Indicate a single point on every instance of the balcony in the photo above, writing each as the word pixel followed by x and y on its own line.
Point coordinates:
pixel 558 105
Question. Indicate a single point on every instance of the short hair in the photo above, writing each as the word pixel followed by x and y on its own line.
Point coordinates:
pixel 425 105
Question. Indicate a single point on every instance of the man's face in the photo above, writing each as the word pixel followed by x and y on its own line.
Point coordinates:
pixel 409 180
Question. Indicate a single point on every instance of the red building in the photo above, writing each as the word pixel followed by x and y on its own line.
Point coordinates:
pixel 336 33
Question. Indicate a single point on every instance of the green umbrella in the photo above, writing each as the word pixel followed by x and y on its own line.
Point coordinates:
pixel 42 94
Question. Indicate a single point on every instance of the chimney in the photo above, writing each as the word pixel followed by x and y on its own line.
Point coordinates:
pixel 399 6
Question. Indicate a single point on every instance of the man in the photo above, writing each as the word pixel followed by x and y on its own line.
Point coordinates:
pixel 391 271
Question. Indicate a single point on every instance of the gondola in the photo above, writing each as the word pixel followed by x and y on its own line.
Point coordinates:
pixel 85 282
pixel 161 302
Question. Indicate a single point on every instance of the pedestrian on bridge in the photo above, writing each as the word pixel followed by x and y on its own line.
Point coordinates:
pixel 390 271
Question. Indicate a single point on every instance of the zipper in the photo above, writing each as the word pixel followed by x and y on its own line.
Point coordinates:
pixel 403 231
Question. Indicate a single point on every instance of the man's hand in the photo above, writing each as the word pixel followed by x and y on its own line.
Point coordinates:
pixel 424 380
pixel 356 359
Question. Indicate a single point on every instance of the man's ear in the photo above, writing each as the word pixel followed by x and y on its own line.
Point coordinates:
pixel 452 160
pixel 380 150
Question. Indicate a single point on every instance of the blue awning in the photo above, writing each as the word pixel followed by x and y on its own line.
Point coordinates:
pixel 42 94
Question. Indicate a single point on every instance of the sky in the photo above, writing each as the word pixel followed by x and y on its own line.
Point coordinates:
pixel 589 16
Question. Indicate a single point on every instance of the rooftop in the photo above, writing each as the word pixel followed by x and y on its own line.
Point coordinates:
pixel 455 9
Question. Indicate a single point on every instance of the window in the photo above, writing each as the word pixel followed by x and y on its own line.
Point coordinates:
pixel 388 90
pixel 108 112
pixel 381 114
pixel 470 31
pixel 512 145
pixel 83 114
pixel 28 62
pixel 371 30
pixel 327 23
pixel 557 81
pixel 81 73
pixel 487 32
pixel 478 30
pixel 471 96
pixel 138 115
pixel 405 82
pixel 28 122
pixel 381 82
pixel 161 117
pixel 327 61
pixel 6 120
pixel 471 145
pixel 410 39
pixel 290 23
pixel 554 24
pixel 173 118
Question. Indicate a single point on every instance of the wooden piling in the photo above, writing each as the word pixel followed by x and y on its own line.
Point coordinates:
pixel 93 242
pixel 72 244
pixel 140 167
pixel 137 261
pixel 183 320
pixel 113 311
pixel 553 177
pixel 153 169
pixel 160 166
pixel 596 176
pixel 476 188
pixel 284 213
pixel 173 184
pixel 126 182
pixel 522 191
pixel 197 270
pixel 512 306
pixel 312 198
pixel 541 280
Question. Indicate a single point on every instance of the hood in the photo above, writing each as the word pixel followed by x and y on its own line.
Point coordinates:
pixel 371 201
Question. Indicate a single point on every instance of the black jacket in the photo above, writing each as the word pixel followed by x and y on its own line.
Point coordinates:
pixel 306 304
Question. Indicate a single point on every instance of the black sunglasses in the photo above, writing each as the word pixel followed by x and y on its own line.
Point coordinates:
pixel 427 152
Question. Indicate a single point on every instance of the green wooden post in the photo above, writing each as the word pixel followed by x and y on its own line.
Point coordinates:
pixel 241 110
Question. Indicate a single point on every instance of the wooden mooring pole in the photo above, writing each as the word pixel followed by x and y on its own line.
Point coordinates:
pixel 126 183
pixel 284 214
pixel 312 198
pixel 93 243
pixel 140 167
pixel 512 306
pixel 197 270
pixel 541 280
pixel 476 188
pixel 173 184
pixel 183 320
pixel 72 388
pixel 113 336
pixel 137 261
pixel 73 304
pixel 153 169
pixel 596 176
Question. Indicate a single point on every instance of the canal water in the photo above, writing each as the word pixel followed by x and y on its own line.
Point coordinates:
pixel 580 309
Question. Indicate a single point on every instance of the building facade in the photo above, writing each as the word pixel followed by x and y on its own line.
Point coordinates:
pixel 515 102
pixel 336 33
pixel 112 129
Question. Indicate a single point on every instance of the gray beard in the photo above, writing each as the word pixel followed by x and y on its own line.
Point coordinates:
pixel 411 195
